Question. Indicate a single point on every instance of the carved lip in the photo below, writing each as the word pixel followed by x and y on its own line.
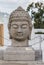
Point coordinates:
pixel 19 34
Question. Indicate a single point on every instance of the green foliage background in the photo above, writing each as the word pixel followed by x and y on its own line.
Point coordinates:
pixel 37 16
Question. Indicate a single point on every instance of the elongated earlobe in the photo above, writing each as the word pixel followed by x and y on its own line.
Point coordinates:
pixel 10 37
pixel 29 37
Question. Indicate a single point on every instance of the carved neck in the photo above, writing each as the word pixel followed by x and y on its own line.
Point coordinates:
pixel 20 43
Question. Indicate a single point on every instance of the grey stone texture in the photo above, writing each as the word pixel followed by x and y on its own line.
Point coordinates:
pixel 19 54
pixel 20 27
pixel 21 63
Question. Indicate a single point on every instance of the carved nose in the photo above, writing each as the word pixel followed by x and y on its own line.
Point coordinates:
pixel 19 30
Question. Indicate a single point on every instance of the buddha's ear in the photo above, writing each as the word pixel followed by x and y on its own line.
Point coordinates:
pixel 10 37
pixel 29 38
pixel 30 31
pixel 30 35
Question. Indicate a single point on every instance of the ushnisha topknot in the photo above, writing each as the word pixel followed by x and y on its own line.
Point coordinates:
pixel 19 14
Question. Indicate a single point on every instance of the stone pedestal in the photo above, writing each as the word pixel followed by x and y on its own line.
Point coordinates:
pixel 21 63
pixel 19 54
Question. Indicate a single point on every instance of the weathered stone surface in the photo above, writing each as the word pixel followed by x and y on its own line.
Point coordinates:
pixel 20 27
pixel 21 63
pixel 1 62
pixel 19 53
pixel 38 55
pixel 40 63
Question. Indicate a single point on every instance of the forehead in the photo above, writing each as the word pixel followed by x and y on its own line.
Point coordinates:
pixel 19 22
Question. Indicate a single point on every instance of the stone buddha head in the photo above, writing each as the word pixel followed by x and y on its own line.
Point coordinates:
pixel 20 25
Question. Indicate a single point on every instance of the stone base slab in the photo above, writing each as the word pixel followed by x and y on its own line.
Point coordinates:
pixel 19 54
pixel 21 63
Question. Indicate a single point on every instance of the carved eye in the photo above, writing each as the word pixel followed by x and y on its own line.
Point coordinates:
pixel 15 26
pixel 24 26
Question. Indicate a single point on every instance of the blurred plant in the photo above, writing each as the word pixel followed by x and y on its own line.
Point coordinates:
pixel 37 13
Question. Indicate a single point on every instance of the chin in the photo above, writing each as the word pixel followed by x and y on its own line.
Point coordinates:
pixel 20 39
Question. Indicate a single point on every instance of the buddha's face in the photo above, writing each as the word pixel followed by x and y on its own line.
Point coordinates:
pixel 19 30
